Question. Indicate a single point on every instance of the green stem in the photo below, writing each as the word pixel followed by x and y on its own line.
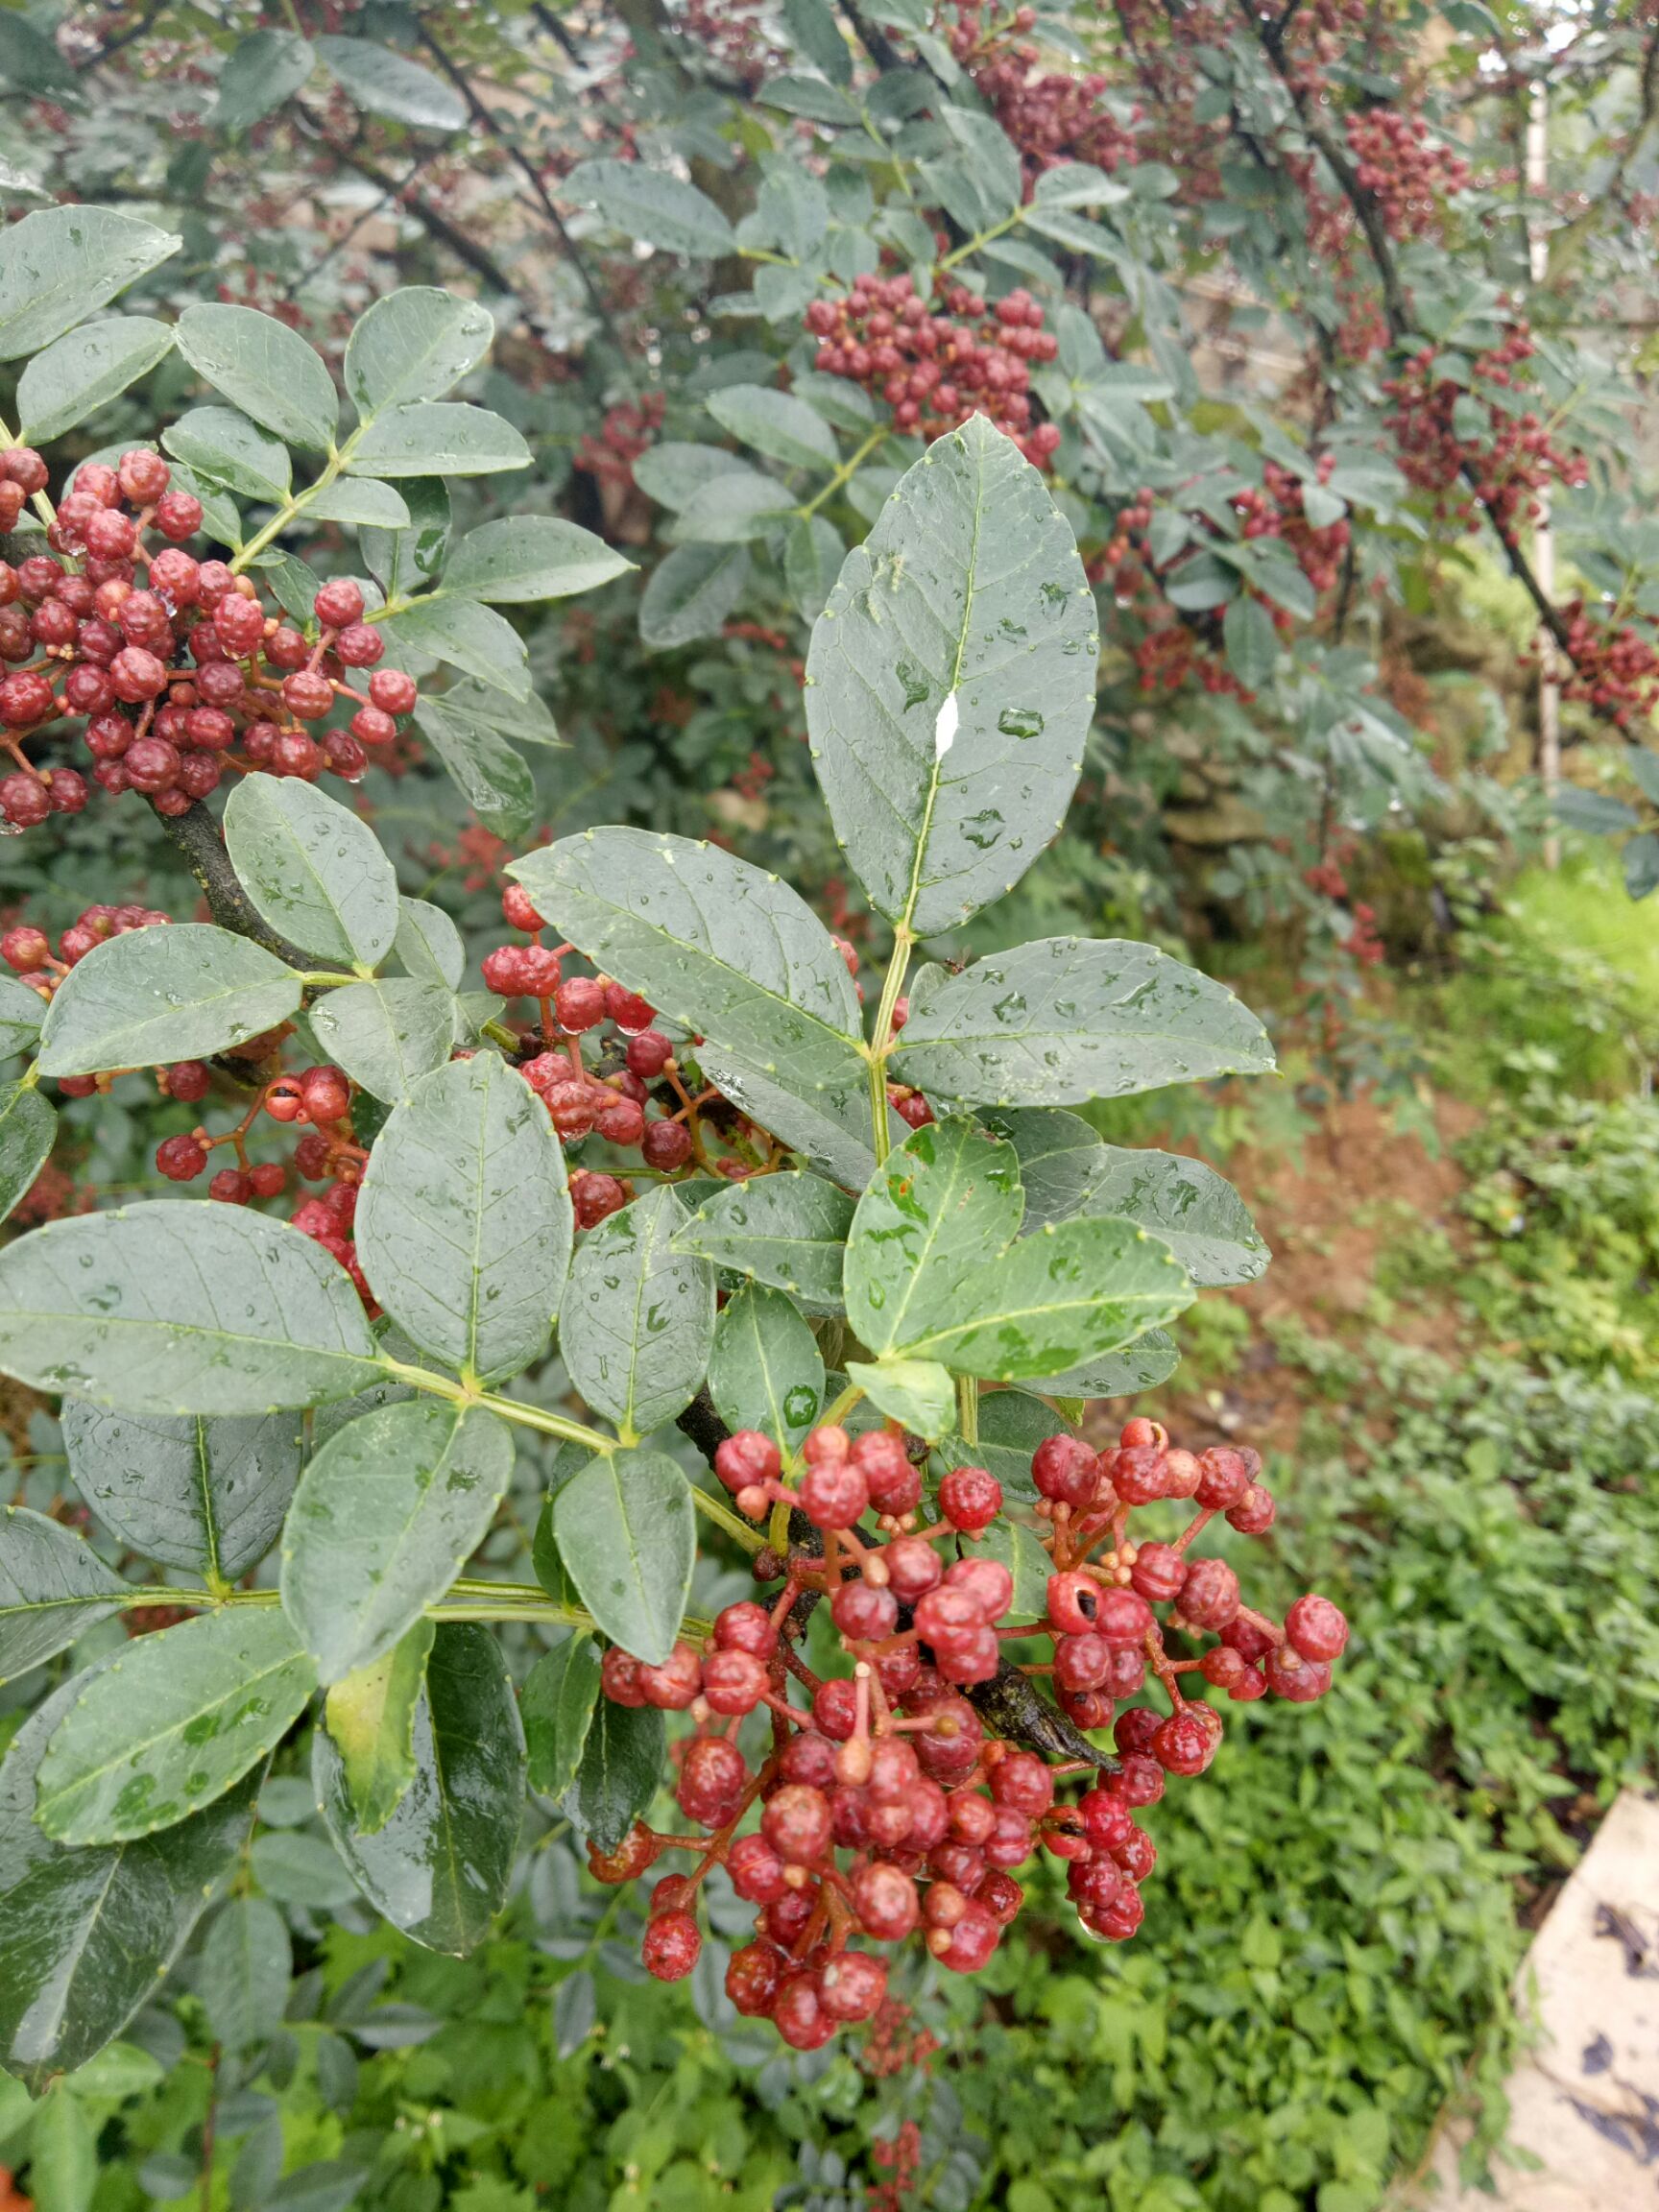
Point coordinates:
pixel 722 1516
pixel 297 502
pixel 536 1417
pixel 897 968
pixel 967 1408
pixel 844 469
pixel 833 1416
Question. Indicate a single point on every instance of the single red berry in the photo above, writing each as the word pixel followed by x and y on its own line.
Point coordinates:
pixel 359 646
pixel 1292 1677
pixel 181 1159
pixel 713 1779
pixel 622 1123
pixel 894 1484
pixel 520 911
pixel 970 1498
pixel 746 1627
pixel 307 694
pixel 753 1978
pixel 269 1179
pixel 231 1187
pixel 143 476
pixel 745 1458
pixel 1316 1628
pixel 595 1197
pixel 394 693
pixel 863 1613
pixel 285 1100
pixel 580 1003
pixel 627 1009
pixel 648 1053
pixel 1223 1478
pixel 1064 1470
pixel 1159 1573
pixel 912 1566
pixel 24 800
pixel 188 1080
pixel 1139 1474
pixel 672 1944
pixel 1183 1744
pixel 1253 1515
pixel 326 1093
pixel 665 1145
pixel 25 950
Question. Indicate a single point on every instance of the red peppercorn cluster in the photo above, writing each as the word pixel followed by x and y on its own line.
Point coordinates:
pixel 937 366
pixel 885 1808
pixel 626 431
pixel 1050 116
pixel 634 1094
pixel 1614 670
pixel 1507 467
pixel 177 666
pixel 1410 175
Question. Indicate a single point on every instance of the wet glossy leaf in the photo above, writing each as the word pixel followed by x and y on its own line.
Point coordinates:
pixel 531 557
pixel 243 1973
pixel 829 1127
pixel 1067 1019
pixel 208 1496
pixel 87 1935
pixel 154 996
pixel 489 775
pixel 673 473
pixel 919 1394
pixel 812 557
pixel 230 451
pixel 709 941
pixel 182 1308
pixel 621 1769
pixel 627 1537
pixel 765 1370
pixel 951 683
pixel 933 1270
pixel 62 2158
pixel 314 870
pixel 558 1706
pixel 1059 1155
pixel 85 371
pixel 788 1230
pixel 441 1866
pixel 428 944
pixel 467 636
pixel 60 265
pixel 53 1588
pixel 263 368
pixel 414 344
pixel 385 1517
pixel 387 1034
pixel 638 1316
pixel 170 1723
pixel 643 203
pixel 438 438
pixel 28 1131
pixel 464 1224
pixel 575 2012
pixel 371 1717
pixel 1140 1364
pixel 364 502
pixel 1198 1214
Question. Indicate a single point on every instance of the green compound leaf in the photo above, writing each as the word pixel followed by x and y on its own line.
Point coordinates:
pixel 314 871
pixel 464 1224
pixel 774 424
pixel 263 368
pixel 934 1270
pixel 951 683
pixel 441 1866
pixel 384 1519
pixel 1141 1364
pixel 87 1935
pixel 626 1532
pixel 765 1370
pixel 53 1588
pixel 714 943
pixel 206 1495
pixel 621 1769
pixel 182 1308
pixel 438 438
pixel 637 1317
pixel 371 1717
pixel 1059 1154
pixel 1198 1212
pixel 558 1706
pixel 787 1230
pixel 168 1725
pixel 260 72
pixel 61 264
pixel 1069 1019
pixel 28 1131
pixel 154 996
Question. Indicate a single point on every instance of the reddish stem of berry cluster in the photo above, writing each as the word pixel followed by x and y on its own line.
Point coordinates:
pixel 886 1808
pixel 182 675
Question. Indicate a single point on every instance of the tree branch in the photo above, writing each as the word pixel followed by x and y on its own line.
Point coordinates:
pixel 196 836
